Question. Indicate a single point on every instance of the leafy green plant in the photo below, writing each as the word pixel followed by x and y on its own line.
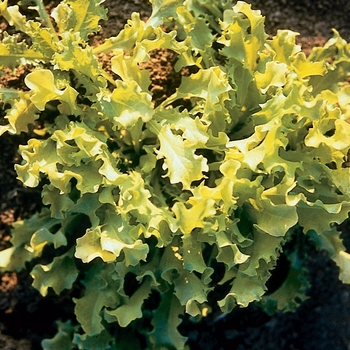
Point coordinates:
pixel 171 203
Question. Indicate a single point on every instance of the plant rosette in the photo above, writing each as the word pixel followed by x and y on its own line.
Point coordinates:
pixel 174 202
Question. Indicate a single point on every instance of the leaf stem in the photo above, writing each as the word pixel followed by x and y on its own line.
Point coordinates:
pixel 109 45
pixel 46 18
pixel 5 91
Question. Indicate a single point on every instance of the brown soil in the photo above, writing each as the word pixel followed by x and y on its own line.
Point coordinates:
pixel 321 322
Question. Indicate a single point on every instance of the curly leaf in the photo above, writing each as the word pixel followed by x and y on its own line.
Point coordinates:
pixel 128 69
pixel 44 39
pixel 267 216
pixel 195 215
pixel 163 10
pixel 59 275
pixel 210 84
pixel 265 249
pixel 165 322
pixel 80 16
pixel 100 292
pixel 13 54
pixel 42 84
pixel 43 236
pixel 12 15
pixel 306 68
pixel 182 164
pixel 99 341
pixel 273 76
pixel 342 259
pixel 284 46
pixel 126 105
pixel 191 291
pixel 245 289
pixel 290 294
pixel 62 339
pixel 71 56
pixel 132 310
pixel 243 36
pixel 117 235
pixel 15 257
pixel 229 252
pixel 21 114
pixel 89 247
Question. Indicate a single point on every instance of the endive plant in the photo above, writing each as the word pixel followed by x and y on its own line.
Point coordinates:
pixel 178 200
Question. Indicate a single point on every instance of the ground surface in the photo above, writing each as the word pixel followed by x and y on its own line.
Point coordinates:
pixel 322 322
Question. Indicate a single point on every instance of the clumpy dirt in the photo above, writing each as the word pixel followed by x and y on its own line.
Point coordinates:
pixel 322 322
pixel 312 19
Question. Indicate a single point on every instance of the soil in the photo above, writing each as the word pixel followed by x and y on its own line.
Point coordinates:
pixel 321 322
